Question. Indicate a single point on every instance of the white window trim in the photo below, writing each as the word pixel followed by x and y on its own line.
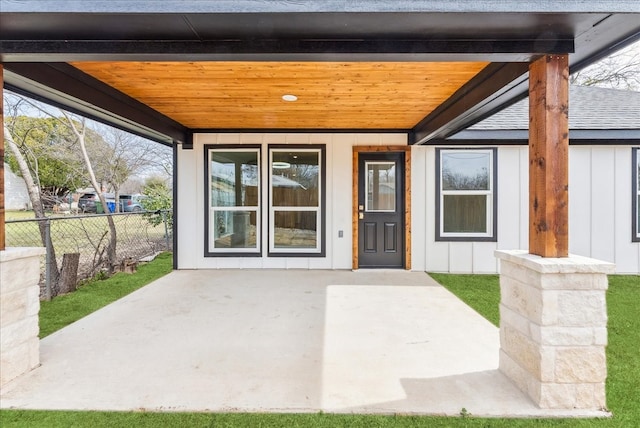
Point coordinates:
pixel 212 210
pixel 272 209
pixel 489 193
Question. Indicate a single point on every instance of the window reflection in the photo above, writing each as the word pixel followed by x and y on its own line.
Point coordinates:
pixel 234 179
pixel 234 185
pixel 295 209
pixel 294 179
pixel 465 171
pixel 295 229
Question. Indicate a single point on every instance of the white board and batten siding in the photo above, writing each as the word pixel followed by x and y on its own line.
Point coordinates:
pixel 600 211
pixel 338 210
pixel 599 206
pixel 469 257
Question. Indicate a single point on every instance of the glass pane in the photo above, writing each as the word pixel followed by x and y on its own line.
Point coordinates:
pixel 295 229
pixel 381 186
pixel 463 170
pixel 465 214
pixel 235 178
pixel 294 178
pixel 234 229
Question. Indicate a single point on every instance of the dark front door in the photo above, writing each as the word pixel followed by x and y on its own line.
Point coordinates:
pixel 381 210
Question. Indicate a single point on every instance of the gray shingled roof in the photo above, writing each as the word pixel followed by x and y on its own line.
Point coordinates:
pixel 589 108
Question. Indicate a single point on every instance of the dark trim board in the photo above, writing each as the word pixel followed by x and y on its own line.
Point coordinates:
pixel 174 228
pixel 635 152
pixel 497 86
pixel 517 50
pixel 65 86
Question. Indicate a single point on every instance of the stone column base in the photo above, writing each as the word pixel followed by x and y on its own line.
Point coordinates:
pixel 19 307
pixel 553 328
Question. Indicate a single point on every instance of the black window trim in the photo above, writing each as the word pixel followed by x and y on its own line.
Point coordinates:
pixel 494 223
pixel 323 199
pixel 635 158
pixel 207 252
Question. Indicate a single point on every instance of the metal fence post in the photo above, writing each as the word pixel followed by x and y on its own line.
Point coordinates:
pixel 47 272
pixel 166 229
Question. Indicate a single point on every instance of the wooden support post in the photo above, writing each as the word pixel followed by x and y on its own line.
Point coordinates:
pixel 549 156
pixel 2 199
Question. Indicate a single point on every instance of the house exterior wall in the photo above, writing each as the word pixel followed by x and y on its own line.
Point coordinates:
pixel 600 186
pixel 599 210
pixel 600 214
pixel 469 257
pixel 338 209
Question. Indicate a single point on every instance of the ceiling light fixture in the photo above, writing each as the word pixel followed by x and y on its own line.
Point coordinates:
pixel 281 165
pixel 289 97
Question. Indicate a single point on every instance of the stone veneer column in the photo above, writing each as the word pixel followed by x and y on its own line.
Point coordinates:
pixel 19 306
pixel 553 328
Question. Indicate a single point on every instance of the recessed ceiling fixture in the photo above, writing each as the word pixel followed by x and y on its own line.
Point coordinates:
pixel 289 97
pixel 281 165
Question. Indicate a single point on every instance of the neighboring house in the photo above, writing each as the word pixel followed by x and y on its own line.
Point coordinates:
pixel 15 191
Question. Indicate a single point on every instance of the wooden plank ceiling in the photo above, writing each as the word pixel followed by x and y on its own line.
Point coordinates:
pixel 248 95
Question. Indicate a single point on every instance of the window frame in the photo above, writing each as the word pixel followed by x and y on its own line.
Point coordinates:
pixel 635 194
pixel 492 198
pixel 320 249
pixel 210 251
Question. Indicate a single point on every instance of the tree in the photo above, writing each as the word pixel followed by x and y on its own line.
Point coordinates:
pixel 129 155
pixel 36 200
pixel 78 126
pixel 159 201
pixel 620 70
pixel 45 146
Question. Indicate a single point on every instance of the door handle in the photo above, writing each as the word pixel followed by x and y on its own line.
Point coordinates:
pixel 361 215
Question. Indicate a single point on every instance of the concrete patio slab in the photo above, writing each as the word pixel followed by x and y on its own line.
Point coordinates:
pixel 278 341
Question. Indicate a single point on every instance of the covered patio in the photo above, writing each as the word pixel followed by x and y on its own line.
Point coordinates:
pixel 282 341
pixel 369 77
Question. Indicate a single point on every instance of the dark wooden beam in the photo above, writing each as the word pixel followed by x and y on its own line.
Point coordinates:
pixel 2 198
pixel 549 156
pixel 65 86
pixel 477 99
pixel 522 50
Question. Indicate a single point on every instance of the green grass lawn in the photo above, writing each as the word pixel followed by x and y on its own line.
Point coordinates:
pixel 479 291
pixel 63 310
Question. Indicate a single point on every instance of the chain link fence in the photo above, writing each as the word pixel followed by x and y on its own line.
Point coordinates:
pixel 138 235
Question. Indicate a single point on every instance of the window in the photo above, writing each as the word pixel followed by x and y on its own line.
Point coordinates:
pixel 466 189
pixel 381 186
pixel 636 194
pixel 233 195
pixel 296 200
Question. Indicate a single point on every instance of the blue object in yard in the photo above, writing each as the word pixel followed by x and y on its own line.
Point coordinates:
pixel 111 206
